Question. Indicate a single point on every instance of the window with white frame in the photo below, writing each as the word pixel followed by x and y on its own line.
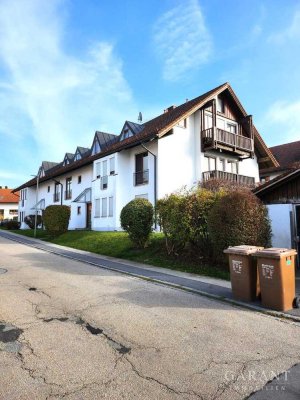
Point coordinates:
pixel 104 207
pixel 104 178
pixel 112 166
pixel 110 206
pixel 96 147
pixel 98 169
pixel 231 128
pixel 97 208
pixel 234 167
pixel 221 123
pixel 208 121
pixel 211 163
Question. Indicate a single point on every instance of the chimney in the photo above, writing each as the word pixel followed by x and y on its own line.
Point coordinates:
pixel 169 109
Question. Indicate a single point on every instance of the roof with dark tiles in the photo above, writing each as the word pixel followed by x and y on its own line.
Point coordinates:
pixel 156 128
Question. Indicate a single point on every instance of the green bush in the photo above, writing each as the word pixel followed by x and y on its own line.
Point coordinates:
pixel 198 205
pixel 174 222
pixel 56 219
pixel 137 220
pixel 183 219
pixel 30 220
pixel 10 224
pixel 238 217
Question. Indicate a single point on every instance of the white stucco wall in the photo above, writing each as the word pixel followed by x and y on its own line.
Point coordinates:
pixel 6 207
pixel 281 226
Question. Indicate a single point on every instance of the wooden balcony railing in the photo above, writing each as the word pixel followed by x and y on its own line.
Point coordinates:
pixel 229 176
pixel 211 137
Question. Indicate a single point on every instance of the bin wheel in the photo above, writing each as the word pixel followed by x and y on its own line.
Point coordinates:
pixel 297 302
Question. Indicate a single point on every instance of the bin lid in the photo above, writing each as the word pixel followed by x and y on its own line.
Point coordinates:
pixel 242 249
pixel 276 252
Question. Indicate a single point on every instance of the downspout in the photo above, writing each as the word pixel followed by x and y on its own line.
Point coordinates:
pixel 155 182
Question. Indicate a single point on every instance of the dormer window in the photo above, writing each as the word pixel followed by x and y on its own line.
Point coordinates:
pixel 66 162
pixel 42 172
pixel 77 156
pixel 96 148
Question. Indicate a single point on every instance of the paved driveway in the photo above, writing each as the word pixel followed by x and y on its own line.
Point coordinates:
pixel 74 331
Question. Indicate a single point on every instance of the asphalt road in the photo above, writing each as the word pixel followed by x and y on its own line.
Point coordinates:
pixel 74 331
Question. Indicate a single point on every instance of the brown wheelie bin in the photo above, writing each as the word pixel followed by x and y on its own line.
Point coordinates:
pixel 243 272
pixel 276 268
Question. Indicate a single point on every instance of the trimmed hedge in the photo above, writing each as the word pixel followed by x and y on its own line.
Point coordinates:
pixel 238 217
pixel 137 220
pixel 56 219
pixel 10 224
pixel 183 219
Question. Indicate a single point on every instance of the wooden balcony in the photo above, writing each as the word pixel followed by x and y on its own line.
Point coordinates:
pixel 230 177
pixel 215 138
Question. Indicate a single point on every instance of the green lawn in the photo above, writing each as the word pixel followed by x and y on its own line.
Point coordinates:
pixel 117 244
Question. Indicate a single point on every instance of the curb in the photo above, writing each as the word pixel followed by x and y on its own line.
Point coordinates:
pixel 250 307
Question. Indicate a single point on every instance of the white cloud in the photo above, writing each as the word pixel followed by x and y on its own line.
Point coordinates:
pixel 51 98
pixel 283 118
pixel 291 32
pixel 182 40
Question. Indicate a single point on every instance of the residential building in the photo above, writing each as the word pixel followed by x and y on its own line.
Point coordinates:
pixel 209 137
pixel 282 197
pixel 8 203
pixel 287 155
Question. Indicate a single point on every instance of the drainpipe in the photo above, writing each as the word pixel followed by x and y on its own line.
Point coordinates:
pixel 155 182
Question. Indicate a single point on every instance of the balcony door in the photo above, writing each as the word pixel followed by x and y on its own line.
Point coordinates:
pixel 141 168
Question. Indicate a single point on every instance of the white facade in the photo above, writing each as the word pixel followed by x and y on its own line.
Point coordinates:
pixel 8 210
pixel 117 178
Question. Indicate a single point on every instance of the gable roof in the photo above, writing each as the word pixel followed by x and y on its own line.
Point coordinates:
pixel 287 154
pixel 104 138
pixel 157 128
pixel 280 181
pixel 82 150
pixel 6 196
pixel 48 165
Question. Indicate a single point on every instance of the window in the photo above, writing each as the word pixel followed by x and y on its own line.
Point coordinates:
pixel 104 179
pixel 211 163
pixel 234 167
pixel 56 196
pixel 48 189
pixel 221 123
pixel 104 207
pixel 68 192
pixel 112 165
pixel 232 128
pixel 208 121
pixel 223 164
pixel 97 208
pixel 98 170
pixel 13 212
pixel 79 179
pixel 110 206
pixel 220 105
pixel 77 156
pixel 96 147
pixel 141 175
pixel 78 210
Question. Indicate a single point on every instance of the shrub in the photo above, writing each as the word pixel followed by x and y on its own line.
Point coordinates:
pixel 10 224
pixel 238 217
pixel 56 219
pixel 30 220
pixel 198 206
pixel 137 220
pixel 173 219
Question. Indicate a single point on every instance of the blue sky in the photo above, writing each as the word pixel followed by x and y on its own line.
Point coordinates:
pixel 70 67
